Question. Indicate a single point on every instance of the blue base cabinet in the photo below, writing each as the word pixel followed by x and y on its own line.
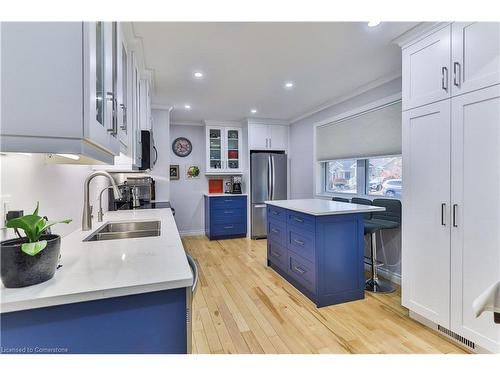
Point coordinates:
pixel 225 217
pixel 137 324
pixel 322 256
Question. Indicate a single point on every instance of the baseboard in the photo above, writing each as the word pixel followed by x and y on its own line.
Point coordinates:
pixel 386 274
pixel 429 323
pixel 196 232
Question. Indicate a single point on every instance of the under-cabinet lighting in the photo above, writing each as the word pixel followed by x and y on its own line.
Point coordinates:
pixel 69 156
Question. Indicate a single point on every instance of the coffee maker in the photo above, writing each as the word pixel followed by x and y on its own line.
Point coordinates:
pixel 236 184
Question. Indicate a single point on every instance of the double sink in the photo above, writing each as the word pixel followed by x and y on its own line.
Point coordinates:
pixel 123 230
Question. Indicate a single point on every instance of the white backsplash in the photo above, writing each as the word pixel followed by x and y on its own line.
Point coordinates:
pixel 59 189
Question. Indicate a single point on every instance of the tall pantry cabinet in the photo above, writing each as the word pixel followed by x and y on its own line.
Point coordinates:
pixel 451 164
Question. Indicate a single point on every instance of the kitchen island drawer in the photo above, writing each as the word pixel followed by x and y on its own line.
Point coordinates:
pixel 228 202
pixel 301 242
pixel 302 221
pixel 277 232
pixel 275 213
pixel 277 254
pixel 302 271
pixel 228 215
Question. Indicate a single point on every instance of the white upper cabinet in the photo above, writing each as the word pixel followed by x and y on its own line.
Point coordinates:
pixel 475 55
pixel 267 137
pixel 426 212
pixel 145 118
pixel 475 233
pixel 223 150
pixel 426 67
pixel 58 102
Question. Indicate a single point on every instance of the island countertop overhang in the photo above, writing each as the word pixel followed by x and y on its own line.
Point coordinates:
pixel 323 207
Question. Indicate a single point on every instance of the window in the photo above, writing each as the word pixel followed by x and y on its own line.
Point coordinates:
pixel 341 176
pixel 379 176
pixel 384 177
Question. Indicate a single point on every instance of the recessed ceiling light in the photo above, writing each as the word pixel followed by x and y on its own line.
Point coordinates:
pixel 198 75
pixel 253 110
pixel 288 85
pixel 187 106
pixel 373 23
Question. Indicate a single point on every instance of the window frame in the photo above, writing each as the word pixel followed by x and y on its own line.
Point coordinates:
pixel 362 178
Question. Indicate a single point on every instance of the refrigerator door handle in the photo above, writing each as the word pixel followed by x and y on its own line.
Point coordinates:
pixel 269 178
pixel 273 179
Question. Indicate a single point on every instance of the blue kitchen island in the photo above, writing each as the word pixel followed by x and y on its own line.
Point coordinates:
pixel 317 245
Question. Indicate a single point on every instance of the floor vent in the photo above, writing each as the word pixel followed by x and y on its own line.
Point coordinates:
pixel 457 337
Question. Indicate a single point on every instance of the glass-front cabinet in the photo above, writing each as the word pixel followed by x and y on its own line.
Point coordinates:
pixel 223 150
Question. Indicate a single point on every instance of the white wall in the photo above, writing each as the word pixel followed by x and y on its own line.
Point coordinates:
pixel 186 196
pixel 302 158
pixel 160 172
pixel 59 189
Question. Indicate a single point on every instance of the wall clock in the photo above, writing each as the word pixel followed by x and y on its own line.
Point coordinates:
pixel 182 147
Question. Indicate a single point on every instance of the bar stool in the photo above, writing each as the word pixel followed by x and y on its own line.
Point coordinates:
pixel 340 199
pixel 388 219
pixel 366 218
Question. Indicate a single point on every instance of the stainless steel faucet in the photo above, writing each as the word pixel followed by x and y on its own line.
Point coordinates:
pixel 87 208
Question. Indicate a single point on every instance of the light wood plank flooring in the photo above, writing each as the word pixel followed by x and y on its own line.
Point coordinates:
pixel 242 306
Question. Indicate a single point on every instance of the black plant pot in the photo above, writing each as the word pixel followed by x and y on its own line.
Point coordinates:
pixel 19 269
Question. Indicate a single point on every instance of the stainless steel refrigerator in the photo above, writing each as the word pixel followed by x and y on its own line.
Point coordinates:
pixel 268 182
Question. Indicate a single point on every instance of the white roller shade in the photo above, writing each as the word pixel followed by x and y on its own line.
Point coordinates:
pixel 373 133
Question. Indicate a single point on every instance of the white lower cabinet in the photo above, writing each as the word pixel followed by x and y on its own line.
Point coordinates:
pixel 475 194
pixel 451 212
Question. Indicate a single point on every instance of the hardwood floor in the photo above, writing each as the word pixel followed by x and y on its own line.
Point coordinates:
pixel 242 306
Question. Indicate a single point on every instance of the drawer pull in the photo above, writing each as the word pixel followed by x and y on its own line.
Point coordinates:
pixel 228 200
pixel 275 254
pixel 275 212
pixel 229 227
pixel 275 230
pixel 298 242
pixel 298 219
pixel 299 270
pixel 228 212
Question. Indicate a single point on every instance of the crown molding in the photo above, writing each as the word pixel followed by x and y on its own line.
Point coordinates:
pixel 221 123
pixel 266 121
pixel 360 90
pixel 418 32
pixel 186 123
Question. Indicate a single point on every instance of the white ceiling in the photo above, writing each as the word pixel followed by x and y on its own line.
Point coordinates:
pixel 245 65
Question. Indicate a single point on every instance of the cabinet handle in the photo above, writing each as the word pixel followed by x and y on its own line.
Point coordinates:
pixel 270 143
pixel 267 141
pixel 228 200
pixel 110 96
pixel 228 227
pixel 275 212
pixel 275 254
pixel 455 206
pixel 228 212
pixel 301 243
pixel 456 65
pixel 298 220
pixel 124 117
pixel 443 207
pixel 275 230
pixel 444 78
pixel 299 270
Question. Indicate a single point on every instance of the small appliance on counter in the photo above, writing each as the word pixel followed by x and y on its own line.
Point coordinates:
pixel 236 185
pixel 136 192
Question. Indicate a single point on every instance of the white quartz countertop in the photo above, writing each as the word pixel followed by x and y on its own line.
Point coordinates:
pixel 224 195
pixel 323 207
pixel 111 268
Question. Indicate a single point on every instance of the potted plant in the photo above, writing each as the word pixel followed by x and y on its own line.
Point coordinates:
pixel 31 259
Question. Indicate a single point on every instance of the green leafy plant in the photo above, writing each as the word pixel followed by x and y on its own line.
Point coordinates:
pixel 34 227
